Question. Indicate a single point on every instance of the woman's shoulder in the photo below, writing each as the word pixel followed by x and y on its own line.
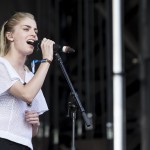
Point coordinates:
pixel 3 62
pixel 2 58
pixel 5 66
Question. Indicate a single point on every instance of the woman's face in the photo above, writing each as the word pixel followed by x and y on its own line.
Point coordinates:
pixel 25 31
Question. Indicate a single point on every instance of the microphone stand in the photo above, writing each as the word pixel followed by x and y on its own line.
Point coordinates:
pixel 77 103
pixel 72 109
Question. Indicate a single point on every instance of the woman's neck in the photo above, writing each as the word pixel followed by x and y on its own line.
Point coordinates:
pixel 17 61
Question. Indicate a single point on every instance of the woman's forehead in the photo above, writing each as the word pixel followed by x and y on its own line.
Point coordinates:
pixel 28 22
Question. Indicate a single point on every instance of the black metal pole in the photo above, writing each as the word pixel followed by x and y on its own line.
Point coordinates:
pixel 73 92
pixel 109 85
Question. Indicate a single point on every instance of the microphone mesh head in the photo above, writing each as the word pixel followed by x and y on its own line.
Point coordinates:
pixel 67 49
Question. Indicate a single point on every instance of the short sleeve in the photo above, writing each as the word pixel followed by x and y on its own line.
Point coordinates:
pixel 5 79
pixel 8 76
pixel 39 102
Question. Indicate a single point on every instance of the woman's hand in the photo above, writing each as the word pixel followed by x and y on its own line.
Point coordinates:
pixel 47 48
pixel 33 118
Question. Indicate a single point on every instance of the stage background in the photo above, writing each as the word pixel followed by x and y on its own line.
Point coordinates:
pixel 86 26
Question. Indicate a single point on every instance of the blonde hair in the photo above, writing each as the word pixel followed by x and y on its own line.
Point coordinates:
pixel 8 26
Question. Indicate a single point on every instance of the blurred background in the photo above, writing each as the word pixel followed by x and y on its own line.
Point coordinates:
pixel 86 26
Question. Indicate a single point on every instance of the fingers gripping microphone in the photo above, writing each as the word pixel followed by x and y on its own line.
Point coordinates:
pixel 56 47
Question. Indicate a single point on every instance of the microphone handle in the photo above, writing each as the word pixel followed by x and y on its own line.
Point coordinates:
pixel 56 47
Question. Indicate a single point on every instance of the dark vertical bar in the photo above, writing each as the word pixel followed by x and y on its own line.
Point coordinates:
pixel 109 95
pixel 55 114
pixel 145 73
pixel 80 46
pixel 101 74
pixel 88 42
pixel 80 56
pixel 92 68
pixel 92 59
pixel 87 52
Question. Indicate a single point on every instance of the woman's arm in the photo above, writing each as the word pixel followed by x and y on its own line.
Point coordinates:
pixel 29 91
pixel 33 119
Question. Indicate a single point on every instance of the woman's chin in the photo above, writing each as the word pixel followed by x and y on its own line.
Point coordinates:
pixel 29 52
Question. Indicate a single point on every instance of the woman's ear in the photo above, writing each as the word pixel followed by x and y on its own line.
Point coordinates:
pixel 9 36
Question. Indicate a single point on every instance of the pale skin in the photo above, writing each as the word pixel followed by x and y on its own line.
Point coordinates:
pixel 33 119
pixel 19 49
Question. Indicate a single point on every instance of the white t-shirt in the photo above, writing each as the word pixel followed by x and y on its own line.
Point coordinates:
pixel 12 109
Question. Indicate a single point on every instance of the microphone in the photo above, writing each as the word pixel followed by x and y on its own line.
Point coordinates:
pixel 56 47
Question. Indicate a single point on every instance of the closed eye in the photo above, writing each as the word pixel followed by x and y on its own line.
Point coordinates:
pixel 26 29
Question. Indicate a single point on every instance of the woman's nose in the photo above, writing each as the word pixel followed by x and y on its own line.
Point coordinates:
pixel 32 32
